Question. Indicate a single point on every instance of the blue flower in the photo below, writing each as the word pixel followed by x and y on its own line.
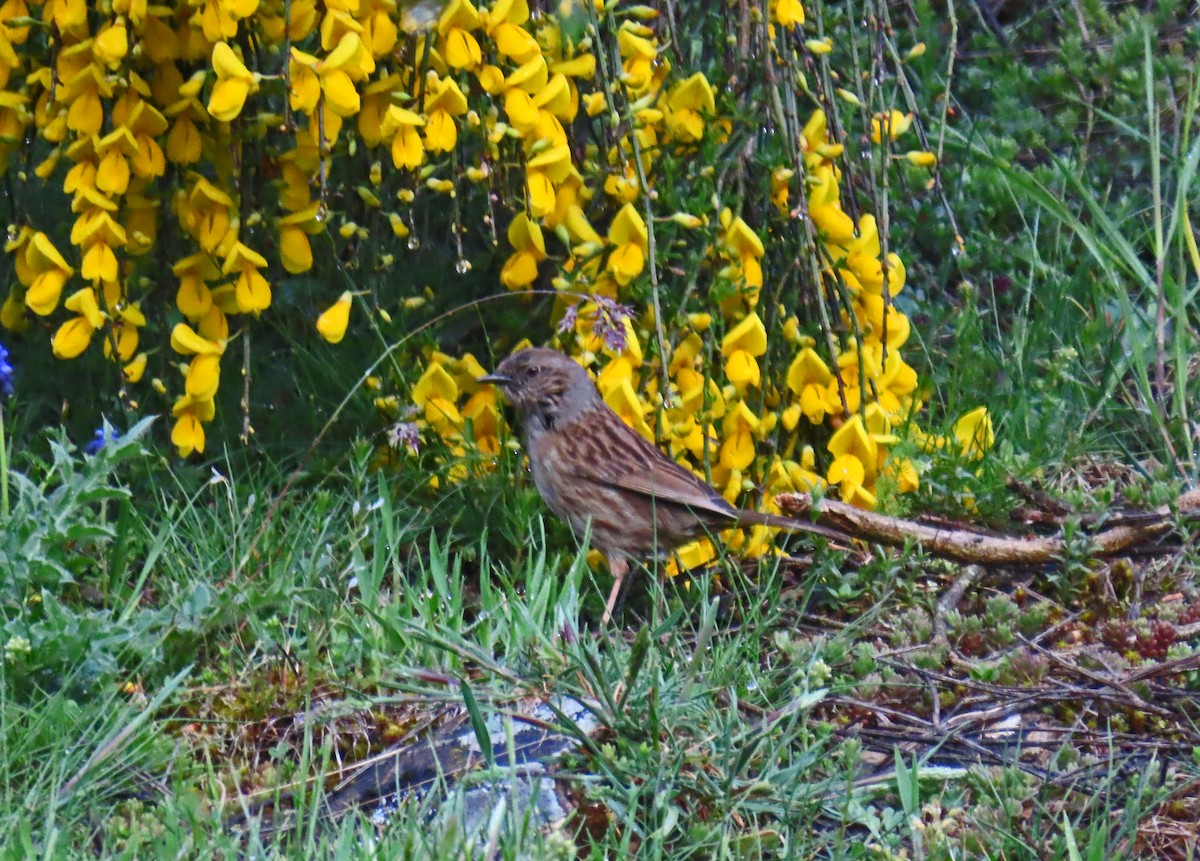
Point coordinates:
pixel 103 436
pixel 6 374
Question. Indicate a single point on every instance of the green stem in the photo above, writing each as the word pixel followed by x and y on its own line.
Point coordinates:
pixel 3 468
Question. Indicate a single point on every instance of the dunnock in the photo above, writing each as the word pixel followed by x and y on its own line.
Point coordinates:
pixel 593 469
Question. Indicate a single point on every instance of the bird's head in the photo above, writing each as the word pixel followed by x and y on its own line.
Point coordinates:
pixel 545 386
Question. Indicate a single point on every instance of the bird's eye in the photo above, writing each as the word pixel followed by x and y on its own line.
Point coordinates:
pixel 531 371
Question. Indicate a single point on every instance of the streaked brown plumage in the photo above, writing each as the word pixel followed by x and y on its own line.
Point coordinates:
pixel 591 467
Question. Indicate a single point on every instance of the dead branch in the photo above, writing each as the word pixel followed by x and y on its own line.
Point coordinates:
pixel 963 545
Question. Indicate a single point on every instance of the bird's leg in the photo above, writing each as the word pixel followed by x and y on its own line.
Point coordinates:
pixel 619 566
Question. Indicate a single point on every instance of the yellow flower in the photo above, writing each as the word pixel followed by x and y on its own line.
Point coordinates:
pixel 193 298
pixel 921 158
pixel 788 13
pixel 187 435
pixel 974 433
pixel 690 100
pixel 744 243
pixel 12 313
pixel 184 340
pixel 781 179
pixel 740 347
pixel 903 472
pixel 407 149
pixel 72 338
pixel 796 477
pixel 514 42
pixel 112 173
pixel 809 377
pixel 483 415
pixel 295 251
pixel 835 225
pixel 234 82
pixel 846 469
pixel 628 235
pixel 461 48
pixel 852 440
pixel 436 394
pixel 111 44
pixel 219 18
pixel 332 76
pixel 203 377
pixel 691 556
pixel 737 450
pixel 126 335
pixel 594 104
pixel 894 386
pixel 205 213
pixel 253 291
pixel 521 268
pixel 625 403
pixel 893 122
pixel 67 15
pixel 333 320
pixel 48 272
pixel 84 303
pixel 136 369
pixel 444 102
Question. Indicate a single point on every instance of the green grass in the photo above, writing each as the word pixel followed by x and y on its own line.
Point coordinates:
pixel 739 724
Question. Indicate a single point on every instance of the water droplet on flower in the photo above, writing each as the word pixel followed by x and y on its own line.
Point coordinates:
pixel 462 267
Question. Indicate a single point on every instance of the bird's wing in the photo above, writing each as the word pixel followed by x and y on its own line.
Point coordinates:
pixel 611 453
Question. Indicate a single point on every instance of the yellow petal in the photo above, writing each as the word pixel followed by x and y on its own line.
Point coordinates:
pixel 72 338
pixel 43 295
pixel 749 335
pixel 83 302
pixel 203 377
pixel 333 320
pixel 519 271
pixel 852 439
pixel 295 251
pixel 185 340
pixel 846 469
pixel 628 226
pixel 742 370
pixel 737 451
pixel 40 255
pixel 541 194
pixel 227 64
pixel 340 94
pixel 228 98
pixel 441 134
pixel 974 433
pixel 188 435
pixel 434 383
pixel 135 369
pixel 253 291
pixel 626 262
pixel 462 50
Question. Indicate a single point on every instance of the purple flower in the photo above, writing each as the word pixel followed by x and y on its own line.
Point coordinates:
pixel 610 322
pixel 405 434
pixel 6 374
pixel 569 319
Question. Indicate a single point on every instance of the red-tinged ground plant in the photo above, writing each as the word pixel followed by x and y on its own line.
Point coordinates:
pixel 688 185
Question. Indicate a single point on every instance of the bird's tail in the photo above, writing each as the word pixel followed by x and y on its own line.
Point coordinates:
pixel 745 517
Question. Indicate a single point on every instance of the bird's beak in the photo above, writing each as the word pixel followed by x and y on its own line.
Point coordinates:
pixel 497 379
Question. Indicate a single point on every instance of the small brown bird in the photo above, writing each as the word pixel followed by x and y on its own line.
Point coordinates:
pixel 593 469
